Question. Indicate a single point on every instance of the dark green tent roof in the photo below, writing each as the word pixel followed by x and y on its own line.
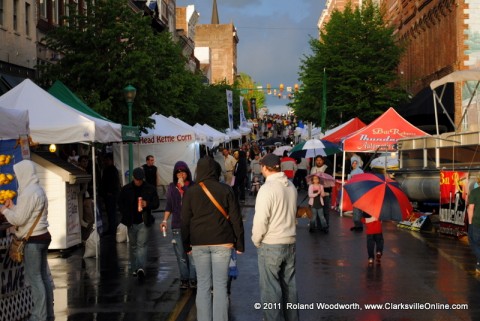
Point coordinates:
pixel 65 95
pixel 62 93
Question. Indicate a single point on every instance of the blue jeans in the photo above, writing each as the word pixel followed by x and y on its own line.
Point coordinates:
pixel 474 240
pixel 185 262
pixel 276 267
pixel 357 217
pixel 137 238
pixel 211 262
pixel 318 217
pixel 36 274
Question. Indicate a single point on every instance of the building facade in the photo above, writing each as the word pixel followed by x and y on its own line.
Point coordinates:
pixel 222 40
pixel 17 42
pixel 440 36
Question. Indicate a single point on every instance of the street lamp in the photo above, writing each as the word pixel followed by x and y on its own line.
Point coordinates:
pixel 129 93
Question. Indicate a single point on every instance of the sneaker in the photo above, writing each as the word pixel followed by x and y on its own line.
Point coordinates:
pixel 140 273
pixel 184 284
pixel 379 256
pixel 370 261
pixel 193 284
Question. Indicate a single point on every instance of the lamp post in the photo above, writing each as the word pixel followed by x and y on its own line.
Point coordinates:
pixel 130 93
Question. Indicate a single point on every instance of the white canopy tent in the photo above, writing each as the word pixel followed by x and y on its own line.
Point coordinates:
pixel 199 136
pixel 233 134
pixel 473 76
pixel 212 139
pixel 13 123
pixel 53 122
pixel 169 142
pixel 212 130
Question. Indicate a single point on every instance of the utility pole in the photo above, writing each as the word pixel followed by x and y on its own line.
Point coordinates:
pixel 324 101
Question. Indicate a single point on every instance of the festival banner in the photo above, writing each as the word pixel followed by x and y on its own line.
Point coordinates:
pixel 243 120
pixel 453 195
pixel 230 109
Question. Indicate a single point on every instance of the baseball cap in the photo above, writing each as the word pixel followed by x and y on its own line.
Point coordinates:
pixel 138 173
pixel 271 160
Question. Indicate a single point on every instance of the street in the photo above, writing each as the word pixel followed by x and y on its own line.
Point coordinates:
pixel 421 277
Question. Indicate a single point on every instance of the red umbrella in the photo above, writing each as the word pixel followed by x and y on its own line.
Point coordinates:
pixel 378 195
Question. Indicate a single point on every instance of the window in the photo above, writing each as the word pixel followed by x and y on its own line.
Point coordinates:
pixel 1 12
pixel 27 19
pixel 15 15
pixel 56 14
pixel 43 9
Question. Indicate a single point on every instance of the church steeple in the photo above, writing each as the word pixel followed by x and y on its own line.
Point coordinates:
pixel 215 20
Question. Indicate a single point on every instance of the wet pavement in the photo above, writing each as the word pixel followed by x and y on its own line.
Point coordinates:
pixel 420 274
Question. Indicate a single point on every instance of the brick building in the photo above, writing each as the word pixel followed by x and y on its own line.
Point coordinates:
pixel 441 36
pixel 222 39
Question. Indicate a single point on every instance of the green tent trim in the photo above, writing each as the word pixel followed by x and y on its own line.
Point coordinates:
pixel 65 95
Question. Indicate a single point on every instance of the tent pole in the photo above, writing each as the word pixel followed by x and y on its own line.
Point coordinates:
pixel 437 150
pixel 122 163
pixel 343 182
pixel 94 173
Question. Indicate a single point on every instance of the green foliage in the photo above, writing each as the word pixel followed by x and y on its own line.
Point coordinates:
pixel 214 106
pixel 112 47
pixel 360 56
pixel 246 87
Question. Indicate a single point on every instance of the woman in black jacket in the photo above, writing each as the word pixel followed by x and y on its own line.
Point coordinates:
pixel 210 237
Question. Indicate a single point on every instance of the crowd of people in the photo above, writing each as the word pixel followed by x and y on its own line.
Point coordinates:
pixel 203 217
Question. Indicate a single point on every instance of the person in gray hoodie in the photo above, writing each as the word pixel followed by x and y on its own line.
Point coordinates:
pixel 273 233
pixel 32 202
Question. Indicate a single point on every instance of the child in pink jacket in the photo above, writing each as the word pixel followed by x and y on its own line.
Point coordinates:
pixel 316 193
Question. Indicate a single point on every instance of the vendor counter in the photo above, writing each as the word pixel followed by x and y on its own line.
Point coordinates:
pixel 15 296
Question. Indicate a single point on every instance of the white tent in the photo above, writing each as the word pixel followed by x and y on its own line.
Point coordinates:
pixel 233 134
pixel 213 139
pixel 200 136
pixel 13 123
pixel 168 142
pixel 52 121
pixel 212 130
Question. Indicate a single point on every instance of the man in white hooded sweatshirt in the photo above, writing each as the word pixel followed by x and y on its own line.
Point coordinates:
pixel 273 234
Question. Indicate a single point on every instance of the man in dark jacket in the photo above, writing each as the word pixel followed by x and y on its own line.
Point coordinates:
pixel 210 236
pixel 137 216
pixel 110 186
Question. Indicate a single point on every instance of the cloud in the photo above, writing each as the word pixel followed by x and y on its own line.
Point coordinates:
pixel 274 35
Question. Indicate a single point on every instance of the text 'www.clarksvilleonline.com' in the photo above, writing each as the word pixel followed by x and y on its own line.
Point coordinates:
pixel 358 306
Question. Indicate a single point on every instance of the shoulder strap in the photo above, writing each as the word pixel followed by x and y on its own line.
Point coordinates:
pixel 34 224
pixel 214 201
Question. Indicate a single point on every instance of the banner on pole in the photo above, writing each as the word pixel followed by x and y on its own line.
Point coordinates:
pixel 253 103
pixel 243 120
pixel 230 109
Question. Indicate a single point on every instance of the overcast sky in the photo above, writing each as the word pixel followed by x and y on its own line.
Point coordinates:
pixel 273 35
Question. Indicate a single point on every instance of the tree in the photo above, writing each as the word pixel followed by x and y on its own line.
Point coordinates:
pixel 111 46
pixel 214 106
pixel 247 88
pixel 359 54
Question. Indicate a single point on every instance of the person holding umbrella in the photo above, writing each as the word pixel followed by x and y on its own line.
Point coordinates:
pixel 316 194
